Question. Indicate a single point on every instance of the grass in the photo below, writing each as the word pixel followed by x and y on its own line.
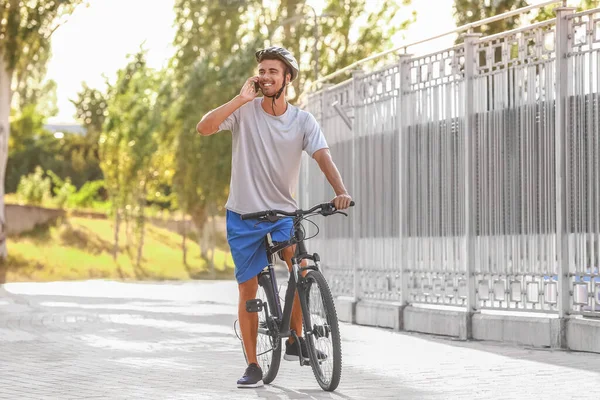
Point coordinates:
pixel 81 248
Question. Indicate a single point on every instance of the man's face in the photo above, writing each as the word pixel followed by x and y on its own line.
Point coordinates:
pixel 270 76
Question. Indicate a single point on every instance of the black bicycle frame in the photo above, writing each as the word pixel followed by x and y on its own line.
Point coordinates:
pixel 295 278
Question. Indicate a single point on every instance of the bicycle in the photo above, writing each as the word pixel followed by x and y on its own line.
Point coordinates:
pixel 321 327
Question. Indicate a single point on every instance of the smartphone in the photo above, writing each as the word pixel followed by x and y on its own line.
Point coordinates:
pixel 256 87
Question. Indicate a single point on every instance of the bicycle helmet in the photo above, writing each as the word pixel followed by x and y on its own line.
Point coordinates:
pixel 281 54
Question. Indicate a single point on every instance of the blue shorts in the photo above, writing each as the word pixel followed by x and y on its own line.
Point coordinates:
pixel 247 243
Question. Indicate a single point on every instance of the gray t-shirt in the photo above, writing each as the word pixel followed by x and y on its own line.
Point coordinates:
pixel 266 156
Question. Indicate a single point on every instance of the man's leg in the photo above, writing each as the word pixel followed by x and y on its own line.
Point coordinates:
pixel 248 321
pixel 296 318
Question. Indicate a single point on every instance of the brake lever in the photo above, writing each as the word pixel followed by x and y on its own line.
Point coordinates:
pixel 272 218
pixel 331 212
pixel 267 218
pixel 327 210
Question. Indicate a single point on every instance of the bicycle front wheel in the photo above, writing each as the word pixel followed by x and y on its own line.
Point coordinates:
pixel 322 332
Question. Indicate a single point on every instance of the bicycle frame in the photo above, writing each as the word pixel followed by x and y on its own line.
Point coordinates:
pixel 295 279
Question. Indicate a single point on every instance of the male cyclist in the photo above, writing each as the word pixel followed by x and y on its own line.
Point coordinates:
pixel 269 135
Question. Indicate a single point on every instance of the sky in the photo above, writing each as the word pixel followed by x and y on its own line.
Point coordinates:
pixel 96 40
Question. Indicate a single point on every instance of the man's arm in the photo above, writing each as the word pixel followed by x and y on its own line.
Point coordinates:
pixel 342 198
pixel 209 124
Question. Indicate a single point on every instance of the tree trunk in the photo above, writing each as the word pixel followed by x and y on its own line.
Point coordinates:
pixel 213 244
pixel 199 218
pixel 184 234
pixel 207 247
pixel 117 226
pixel 127 230
pixel 141 224
pixel 208 240
pixel 204 241
pixel 5 100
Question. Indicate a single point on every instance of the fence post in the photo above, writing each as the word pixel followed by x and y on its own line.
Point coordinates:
pixel 560 135
pixel 356 74
pixel 469 242
pixel 404 72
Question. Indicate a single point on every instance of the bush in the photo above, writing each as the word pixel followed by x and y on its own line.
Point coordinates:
pixel 73 156
pixel 88 195
pixel 34 188
pixel 63 190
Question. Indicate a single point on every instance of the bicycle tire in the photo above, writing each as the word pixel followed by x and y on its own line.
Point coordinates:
pixel 331 383
pixel 271 371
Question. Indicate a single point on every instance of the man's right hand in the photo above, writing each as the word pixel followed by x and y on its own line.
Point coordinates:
pixel 247 93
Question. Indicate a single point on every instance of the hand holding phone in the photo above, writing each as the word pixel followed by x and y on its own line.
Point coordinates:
pixel 250 89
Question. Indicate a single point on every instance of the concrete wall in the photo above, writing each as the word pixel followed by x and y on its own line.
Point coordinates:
pixel 25 218
pixel 543 331
pixel 583 335
pixel 22 218
pixel 173 225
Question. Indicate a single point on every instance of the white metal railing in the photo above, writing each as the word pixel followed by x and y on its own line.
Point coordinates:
pixel 475 169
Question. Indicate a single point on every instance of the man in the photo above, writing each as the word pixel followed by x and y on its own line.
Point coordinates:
pixel 269 135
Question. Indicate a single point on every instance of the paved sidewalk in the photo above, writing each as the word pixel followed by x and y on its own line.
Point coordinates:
pixel 110 340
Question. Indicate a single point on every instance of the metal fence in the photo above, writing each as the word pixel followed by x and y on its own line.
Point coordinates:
pixel 476 173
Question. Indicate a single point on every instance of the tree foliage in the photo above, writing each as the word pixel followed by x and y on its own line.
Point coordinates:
pixel 469 11
pixel 91 111
pixel 130 142
pixel 25 30
pixel 142 129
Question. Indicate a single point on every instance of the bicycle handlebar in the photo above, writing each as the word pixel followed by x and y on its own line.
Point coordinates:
pixel 323 207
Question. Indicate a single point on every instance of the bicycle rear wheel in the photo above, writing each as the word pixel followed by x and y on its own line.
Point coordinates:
pixel 322 333
pixel 268 342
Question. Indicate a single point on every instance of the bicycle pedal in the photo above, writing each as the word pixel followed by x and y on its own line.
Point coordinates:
pixel 254 305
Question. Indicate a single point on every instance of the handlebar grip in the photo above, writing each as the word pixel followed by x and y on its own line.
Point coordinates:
pixel 352 203
pixel 254 215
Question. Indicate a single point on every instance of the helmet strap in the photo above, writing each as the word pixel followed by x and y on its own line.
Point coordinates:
pixel 278 94
pixel 282 87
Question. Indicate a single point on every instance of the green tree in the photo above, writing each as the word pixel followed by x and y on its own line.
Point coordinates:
pixel 469 11
pixel 91 111
pixel 72 157
pixel 129 143
pixel 353 31
pixel 69 157
pixel 548 11
pixel 25 30
pixel 203 166
pixel 25 125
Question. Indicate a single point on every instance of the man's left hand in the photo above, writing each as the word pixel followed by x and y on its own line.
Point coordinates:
pixel 342 201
